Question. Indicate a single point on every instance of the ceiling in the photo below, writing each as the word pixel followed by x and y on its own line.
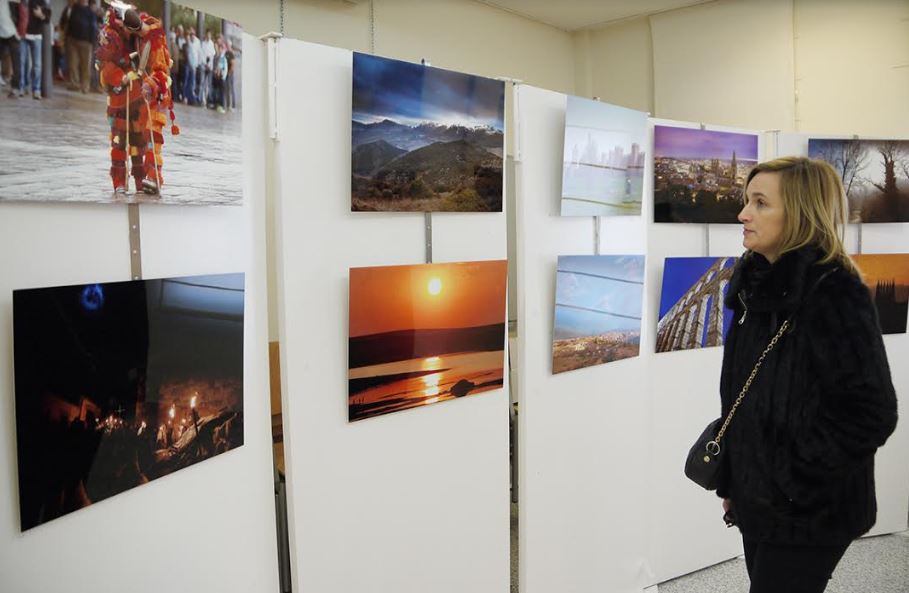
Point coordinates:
pixel 572 15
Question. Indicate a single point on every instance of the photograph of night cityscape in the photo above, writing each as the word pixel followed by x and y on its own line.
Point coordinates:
pixel 423 334
pixel 887 277
pixel 121 383
pixel 875 175
pixel 699 175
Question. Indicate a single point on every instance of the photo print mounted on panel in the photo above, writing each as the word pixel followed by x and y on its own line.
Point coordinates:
pixel 174 76
pixel 692 312
pixel 699 175
pixel 424 333
pixel 597 310
pixel 887 277
pixel 875 175
pixel 425 139
pixel 603 159
pixel 121 383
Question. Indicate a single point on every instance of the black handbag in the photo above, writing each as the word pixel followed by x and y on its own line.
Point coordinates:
pixel 706 455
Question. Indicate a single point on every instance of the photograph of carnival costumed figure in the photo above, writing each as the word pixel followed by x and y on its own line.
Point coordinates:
pixel 170 130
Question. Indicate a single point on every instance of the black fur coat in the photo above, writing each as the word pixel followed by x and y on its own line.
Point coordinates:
pixel 799 463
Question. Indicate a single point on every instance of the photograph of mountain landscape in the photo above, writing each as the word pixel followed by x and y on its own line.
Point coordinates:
pixel 887 277
pixel 423 334
pixel 603 159
pixel 875 175
pixel 119 384
pixel 597 310
pixel 425 139
pixel 692 311
pixel 699 175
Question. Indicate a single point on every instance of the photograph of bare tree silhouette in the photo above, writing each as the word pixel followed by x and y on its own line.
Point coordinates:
pixel 875 174
pixel 423 334
pixel 121 383
pixel 887 277
pixel 699 175
pixel 425 139
pixel 597 310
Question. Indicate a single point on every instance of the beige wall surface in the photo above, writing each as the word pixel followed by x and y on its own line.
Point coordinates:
pixel 852 67
pixel 616 64
pixel 743 63
pixel 727 63
pixel 456 34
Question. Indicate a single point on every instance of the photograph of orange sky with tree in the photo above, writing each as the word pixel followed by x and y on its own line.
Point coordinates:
pixel 422 334
pixel 887 277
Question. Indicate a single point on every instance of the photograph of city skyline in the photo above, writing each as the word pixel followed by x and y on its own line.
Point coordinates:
pixel 603 159
pixel 699 175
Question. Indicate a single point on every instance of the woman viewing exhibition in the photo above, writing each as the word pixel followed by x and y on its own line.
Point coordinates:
pixel 798 473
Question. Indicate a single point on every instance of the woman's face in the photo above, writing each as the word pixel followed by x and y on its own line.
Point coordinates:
pixel 763 215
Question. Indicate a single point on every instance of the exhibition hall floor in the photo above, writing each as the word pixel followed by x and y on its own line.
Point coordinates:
pixel 871 565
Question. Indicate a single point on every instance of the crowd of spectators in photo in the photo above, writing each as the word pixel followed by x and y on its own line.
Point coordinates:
pixel 203 72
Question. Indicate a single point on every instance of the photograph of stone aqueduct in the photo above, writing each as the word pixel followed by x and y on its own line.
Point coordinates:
pixel 701 306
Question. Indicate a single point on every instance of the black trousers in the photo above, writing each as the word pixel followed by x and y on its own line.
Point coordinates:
pixel 775 568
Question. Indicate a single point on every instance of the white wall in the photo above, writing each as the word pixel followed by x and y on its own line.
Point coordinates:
pixel 584 439
pixel 210 527
pixel 412 501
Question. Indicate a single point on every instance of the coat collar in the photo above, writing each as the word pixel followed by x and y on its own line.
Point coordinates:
pixel 773 287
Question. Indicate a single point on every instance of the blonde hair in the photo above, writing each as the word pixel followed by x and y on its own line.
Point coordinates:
pixel 814 204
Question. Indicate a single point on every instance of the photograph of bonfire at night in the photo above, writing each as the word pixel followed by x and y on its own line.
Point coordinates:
pixel 424 334
pixel 122 383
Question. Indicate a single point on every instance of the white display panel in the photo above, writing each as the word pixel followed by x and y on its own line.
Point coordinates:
pixel 584 445
pixel 411 501
pixel 211 527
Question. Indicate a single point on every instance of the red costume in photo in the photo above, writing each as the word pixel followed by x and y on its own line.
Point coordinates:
pixel 134 66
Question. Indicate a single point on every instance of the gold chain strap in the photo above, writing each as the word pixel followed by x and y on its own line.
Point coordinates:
pixel 714 446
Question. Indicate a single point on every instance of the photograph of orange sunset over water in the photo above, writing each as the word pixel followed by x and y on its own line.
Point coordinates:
pixel 422 334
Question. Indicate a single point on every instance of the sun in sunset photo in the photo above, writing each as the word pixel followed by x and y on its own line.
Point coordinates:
pixel 423 334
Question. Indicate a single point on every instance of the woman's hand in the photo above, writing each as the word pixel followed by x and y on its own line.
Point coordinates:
pixel 727 505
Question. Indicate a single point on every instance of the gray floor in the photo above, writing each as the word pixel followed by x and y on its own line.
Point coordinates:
pixel 871 565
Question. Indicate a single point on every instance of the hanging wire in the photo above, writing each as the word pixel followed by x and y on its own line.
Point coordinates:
pixel 372 26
